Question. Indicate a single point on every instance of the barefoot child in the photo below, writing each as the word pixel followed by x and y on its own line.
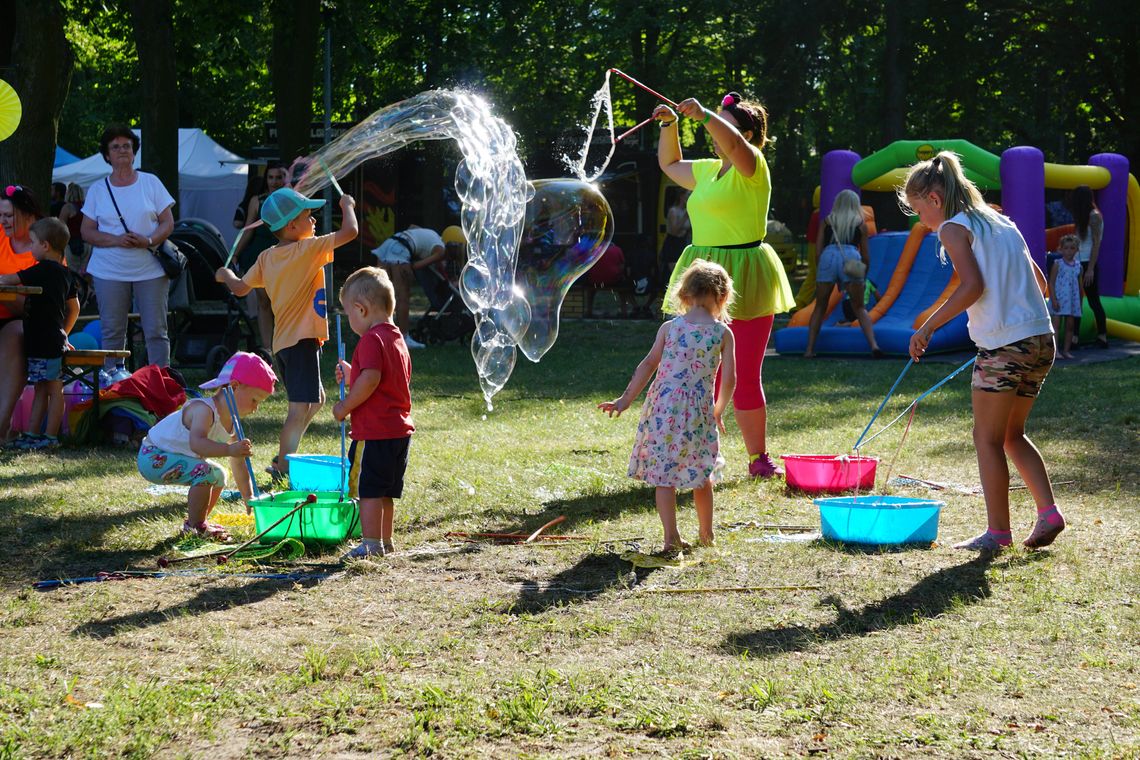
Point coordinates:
pixel 677 443
pixel 380 404
pixel 1066 290
pixel 48 318
pixel 1002 291
pixel 175 450
pixel 292 273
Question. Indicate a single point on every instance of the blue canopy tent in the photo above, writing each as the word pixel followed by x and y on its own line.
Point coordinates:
pixel 63 158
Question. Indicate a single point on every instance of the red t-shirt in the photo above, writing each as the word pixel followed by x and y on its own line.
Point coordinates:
pixel 608 269
pixel 387 413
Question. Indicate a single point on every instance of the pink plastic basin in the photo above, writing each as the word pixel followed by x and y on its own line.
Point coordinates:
pixel 814 473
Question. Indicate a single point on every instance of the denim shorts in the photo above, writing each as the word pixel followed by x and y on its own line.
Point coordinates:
pixel 44 370
pixel 830 267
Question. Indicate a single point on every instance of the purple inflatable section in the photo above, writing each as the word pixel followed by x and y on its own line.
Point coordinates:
pixel 1023 195
pixel 1112 200
pixel 835 176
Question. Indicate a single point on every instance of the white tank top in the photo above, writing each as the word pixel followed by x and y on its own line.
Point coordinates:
pixel 170 434
pixel 1012 306
pixel 1084 251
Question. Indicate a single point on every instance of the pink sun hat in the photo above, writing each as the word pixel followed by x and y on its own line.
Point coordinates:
pixel 247 369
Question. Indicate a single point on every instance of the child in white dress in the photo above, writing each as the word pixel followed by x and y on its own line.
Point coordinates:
pixel 1066 291
pixel 678 444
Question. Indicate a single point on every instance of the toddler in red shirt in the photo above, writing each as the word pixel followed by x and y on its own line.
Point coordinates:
pixel 379 405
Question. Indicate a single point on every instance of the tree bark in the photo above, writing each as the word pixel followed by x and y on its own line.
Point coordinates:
pixel 296 40
pixel 154 40
pixel 896 67
pixel 36 59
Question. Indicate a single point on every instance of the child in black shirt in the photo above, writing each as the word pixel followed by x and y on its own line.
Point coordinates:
pixel 48 318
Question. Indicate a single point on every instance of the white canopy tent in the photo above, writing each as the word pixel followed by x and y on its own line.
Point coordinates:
pixel 207 188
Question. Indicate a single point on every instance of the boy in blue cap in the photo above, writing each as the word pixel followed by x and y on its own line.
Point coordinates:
pixel 292 273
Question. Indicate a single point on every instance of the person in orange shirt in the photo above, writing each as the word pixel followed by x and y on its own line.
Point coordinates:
pixel 18 211
pixel 292 273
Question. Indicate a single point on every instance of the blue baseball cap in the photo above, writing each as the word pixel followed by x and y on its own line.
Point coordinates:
pixel 283 205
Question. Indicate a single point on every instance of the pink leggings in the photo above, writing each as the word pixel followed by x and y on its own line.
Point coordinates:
pixel 751 336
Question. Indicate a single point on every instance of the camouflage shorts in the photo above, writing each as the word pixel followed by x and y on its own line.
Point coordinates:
pixel 1020 366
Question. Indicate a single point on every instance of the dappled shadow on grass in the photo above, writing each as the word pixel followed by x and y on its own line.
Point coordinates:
pixel 593 575
pixel 935 594
pixel 205 601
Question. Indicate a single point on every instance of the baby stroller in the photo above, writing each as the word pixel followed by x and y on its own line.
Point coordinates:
pixel 208 323
pixel 447 317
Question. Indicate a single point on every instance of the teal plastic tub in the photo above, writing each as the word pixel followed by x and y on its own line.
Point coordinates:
pixel 327 521
pixel 316 472
pixel 879 520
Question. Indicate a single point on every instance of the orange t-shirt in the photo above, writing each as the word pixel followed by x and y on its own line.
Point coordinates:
pixel 294 279
pixel 10 263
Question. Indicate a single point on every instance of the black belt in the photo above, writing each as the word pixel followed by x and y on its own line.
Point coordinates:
pixel 402 241
pixel 738 246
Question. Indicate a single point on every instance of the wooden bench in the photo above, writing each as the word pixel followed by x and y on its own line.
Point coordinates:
pixel 84 367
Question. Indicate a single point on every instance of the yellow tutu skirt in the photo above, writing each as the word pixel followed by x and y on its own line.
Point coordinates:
pixel 757 274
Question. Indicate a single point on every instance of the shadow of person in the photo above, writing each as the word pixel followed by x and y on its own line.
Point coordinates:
pixel 593 575
pixel 206 601
pixel 938 592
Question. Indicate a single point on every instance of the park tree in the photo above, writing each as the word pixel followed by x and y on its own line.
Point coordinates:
pixel 154 39
pixel 296 36
pixel 37 62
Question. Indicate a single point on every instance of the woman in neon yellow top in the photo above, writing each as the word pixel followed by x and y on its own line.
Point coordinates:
pixel 729 214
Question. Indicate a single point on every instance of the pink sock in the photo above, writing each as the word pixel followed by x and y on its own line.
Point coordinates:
pixel 1003 537
pixel 1050 514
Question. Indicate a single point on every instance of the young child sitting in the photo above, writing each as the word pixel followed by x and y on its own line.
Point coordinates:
pixel 176 449
pixel 48 318
pixel 292 273
pixel 380 404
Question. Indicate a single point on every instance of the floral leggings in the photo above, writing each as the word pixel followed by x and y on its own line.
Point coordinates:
pixel 165 467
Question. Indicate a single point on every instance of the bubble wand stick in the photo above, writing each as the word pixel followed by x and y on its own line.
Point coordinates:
pixel 651 91
pixel 340 355
pixel 332 179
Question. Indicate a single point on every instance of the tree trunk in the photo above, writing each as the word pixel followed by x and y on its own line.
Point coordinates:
pixel 296 40
pixel 896 66
pixel 154 39
pixel 37 61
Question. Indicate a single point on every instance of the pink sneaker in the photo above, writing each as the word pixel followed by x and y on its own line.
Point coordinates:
pixel 763 467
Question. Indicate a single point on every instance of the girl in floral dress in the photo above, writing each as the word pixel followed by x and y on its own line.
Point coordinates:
pixel 678 444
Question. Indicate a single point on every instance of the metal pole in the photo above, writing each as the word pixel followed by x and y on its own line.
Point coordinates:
pixel 327 139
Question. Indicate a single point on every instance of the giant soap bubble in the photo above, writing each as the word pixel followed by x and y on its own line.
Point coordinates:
pixel 567 222
pixel 568 227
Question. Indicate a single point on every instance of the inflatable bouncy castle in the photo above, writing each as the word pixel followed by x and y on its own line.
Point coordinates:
pixel 917 282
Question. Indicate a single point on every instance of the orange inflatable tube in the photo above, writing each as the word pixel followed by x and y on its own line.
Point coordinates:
pixel 946 293
pixel 902 270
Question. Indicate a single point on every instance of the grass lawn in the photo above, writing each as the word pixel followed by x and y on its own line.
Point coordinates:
pixel 471 650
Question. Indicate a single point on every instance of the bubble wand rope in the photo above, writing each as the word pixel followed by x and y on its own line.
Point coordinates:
pixel 914 403
pixel 231 403
pixel 233 248
pixel 874 417
pixel 340 356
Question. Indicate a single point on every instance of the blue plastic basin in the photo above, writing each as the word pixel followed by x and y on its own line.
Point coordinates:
pixel 879 520
pixel 316 472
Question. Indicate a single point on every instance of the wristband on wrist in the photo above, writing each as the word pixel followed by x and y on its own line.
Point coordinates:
pixel 664 124
pixel 708 115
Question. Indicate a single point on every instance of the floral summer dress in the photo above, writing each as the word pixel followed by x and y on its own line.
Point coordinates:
pixel 1068 288
pixel 677 441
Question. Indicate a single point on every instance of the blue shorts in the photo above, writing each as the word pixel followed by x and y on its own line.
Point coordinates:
pixel 44 370
pixel 301 371
pixel 830 268
pixel 166 467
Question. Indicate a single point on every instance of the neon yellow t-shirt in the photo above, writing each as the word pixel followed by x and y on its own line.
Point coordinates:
pixel 294 280
pixel 733 209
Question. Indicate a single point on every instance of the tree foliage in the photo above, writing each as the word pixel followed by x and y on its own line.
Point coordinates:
pixel 1060 75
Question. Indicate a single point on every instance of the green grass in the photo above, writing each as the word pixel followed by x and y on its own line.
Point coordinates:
pixel 539 651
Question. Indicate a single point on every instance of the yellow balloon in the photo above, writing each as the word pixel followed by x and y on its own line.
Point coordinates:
pixel 10 110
